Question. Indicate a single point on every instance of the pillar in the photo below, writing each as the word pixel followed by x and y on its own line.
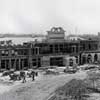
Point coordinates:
pixel 15 64
pixel 30 57
pixel 53 48
pixel 19 63
pixel 0 64
pixel 58 48
pixel 37 62
pixel 22 63
pixel 6 63
pixel 9 63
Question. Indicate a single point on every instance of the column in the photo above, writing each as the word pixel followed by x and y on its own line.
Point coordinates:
pixel 30 57
pixel 0 64
pixel 6 63
pixel 36 62
pixel 37 50
pixel 10 63
pixel 19 63
pixel 30 62
pixel 22 63
pixel 58 48
pixel 53 49
pixel 74 49
pixel 15 64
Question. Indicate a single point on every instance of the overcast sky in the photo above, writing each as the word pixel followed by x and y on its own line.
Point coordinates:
pixel 38 16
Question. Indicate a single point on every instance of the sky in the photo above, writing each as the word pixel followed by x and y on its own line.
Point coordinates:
pixel 39 16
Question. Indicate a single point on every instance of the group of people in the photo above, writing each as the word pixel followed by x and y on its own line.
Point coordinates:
pixel 31 74
pixel 22 75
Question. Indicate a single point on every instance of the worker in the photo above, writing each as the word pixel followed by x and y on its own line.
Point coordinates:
pixel 22 74
pixel 33 75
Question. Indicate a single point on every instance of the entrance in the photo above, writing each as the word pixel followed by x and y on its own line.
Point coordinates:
pixel 17 64
pixel 56 61
pixel 84 59
pixel 89 58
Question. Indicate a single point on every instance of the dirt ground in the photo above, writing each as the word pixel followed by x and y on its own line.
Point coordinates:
pixel 40 89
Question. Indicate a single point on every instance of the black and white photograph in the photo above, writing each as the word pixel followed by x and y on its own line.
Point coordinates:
pixel 49 49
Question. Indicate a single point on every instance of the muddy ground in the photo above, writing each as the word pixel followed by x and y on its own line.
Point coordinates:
pixel 40 89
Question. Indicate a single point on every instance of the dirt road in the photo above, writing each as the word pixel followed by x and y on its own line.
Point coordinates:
pixel 40 89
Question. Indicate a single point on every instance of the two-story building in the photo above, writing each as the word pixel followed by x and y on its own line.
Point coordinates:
pixel 54 50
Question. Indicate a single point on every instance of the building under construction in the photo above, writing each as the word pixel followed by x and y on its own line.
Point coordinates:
pixel 54 50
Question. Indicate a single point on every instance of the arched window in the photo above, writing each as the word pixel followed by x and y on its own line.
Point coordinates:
pixel 89 58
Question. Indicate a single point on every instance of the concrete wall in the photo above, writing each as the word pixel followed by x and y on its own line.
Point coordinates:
pixel 45 61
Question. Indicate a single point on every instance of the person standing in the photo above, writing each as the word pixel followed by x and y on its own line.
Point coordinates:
pixel 24 78
pixel 36 73
pixel 22 74
pixel 33 75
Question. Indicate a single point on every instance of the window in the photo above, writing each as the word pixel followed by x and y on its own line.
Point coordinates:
pixel 95 57
pixel 89 58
